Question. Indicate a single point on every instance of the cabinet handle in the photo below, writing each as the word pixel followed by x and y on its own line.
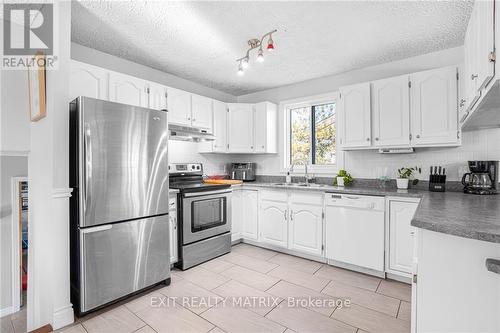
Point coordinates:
pixel 493 265
pixel 251 147
pixel 418 136
pixel 462 102
pixel 473 76
pixel 286 215
pixel 367 139
pixel 376 139
pixel 194 119
pixel 188 118
pixel 262 146
pixel 291 215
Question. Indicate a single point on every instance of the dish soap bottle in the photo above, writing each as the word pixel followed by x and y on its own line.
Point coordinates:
pixel 288 177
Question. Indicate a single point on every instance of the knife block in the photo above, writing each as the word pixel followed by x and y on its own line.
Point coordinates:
pixel 437 183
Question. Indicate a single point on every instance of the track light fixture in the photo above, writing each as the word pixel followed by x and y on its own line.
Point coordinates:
pixel 253 44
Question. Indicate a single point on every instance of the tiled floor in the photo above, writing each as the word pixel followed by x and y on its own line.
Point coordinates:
pixel 258 290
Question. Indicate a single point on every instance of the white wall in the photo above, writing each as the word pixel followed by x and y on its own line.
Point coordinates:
pixel 369 164
pixel 10 166
pixel 14 113
pixel 101 59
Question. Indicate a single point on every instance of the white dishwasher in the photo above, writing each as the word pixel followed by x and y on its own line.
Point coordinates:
pixel 355 230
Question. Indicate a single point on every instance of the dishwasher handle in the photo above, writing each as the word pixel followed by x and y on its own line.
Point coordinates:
pixel 357 202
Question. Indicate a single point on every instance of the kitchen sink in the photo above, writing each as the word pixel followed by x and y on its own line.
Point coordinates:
pixel 300 184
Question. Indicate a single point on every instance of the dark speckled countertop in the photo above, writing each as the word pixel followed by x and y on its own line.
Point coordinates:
pixel 454 213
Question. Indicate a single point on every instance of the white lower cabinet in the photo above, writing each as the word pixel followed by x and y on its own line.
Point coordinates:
pixel 236 214
pixel 244 214
pixel 172 214
pixel 273 223
pixel 400 245
pixel 250 214
pixel 306 223
pixel 454 291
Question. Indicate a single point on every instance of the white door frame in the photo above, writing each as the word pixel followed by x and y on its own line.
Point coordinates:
pixel 16 260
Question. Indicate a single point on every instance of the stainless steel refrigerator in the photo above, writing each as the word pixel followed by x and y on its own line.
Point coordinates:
pixel 119 225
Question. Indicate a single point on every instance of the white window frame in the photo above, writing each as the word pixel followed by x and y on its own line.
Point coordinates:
pixel 285 107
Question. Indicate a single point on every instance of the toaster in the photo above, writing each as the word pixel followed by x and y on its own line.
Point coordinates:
pixel 243 171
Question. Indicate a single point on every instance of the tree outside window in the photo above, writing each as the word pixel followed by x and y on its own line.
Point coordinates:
pixel 313 135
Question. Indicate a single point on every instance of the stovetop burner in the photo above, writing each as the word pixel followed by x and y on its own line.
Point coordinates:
pixel 189 178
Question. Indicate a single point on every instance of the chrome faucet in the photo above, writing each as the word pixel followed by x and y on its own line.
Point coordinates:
pixel 306 174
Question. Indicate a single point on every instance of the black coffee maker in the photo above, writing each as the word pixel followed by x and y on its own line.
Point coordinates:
pixel 482 178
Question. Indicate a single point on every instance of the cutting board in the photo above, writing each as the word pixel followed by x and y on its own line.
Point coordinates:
pixel 223 181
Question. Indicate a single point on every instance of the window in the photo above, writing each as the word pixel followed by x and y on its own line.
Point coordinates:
pixel 313 134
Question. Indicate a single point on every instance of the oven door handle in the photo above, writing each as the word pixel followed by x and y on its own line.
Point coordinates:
pixel 205 193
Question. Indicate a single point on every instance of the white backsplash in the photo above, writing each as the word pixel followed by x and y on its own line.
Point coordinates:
pixel 187 152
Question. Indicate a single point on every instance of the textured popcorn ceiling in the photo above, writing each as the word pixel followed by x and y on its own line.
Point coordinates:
pixel 200 41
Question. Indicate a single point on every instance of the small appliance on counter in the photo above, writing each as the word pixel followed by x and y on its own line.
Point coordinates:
pixel 483 178
pixel 437 179
pixel 243 171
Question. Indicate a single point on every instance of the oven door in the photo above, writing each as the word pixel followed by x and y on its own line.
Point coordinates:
pixel 205 214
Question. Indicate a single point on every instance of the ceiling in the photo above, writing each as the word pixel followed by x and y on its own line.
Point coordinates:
pixel 200 41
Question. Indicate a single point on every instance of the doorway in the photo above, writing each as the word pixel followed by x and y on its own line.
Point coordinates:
pixel 20 244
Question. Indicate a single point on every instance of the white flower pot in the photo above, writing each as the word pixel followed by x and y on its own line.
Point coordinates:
pixel 340 181
pixel 402 183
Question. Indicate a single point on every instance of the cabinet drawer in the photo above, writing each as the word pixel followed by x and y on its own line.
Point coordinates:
pixel 306 198
pixel 274 195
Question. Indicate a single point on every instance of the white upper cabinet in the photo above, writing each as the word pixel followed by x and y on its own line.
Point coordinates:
pixel 273 226
pixel 266 123
pixel 220 127
pixel 355 115
pixel 127 90
pixel 434 109
pixel 305 233
pixel 157 96
pixel 250 214
pixel 87 80
pixel 469 84
pixel 485 11
pixel 391 112
pixel 179 107
pixel 201 112
pixel 241 128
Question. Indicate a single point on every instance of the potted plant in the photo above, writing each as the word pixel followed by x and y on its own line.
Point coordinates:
pixel 343 178
pixel 404 176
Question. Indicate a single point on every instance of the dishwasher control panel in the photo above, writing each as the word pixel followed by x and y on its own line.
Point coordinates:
pixel 355 201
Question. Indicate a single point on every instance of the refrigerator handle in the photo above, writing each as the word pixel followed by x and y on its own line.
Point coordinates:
pixel 87 170
pixel 96 229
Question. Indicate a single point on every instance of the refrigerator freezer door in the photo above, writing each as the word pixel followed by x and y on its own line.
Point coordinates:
pixel 119 259
pixel 124 167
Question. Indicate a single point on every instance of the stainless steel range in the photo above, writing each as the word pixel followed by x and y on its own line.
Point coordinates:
pixel 204 215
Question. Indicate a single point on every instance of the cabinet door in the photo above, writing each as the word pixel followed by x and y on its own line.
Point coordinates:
pixel 173 237
pixel 305 232
pixel 273 223
pixel 127 90
pixel 434 109
pixel 470 91
pixel 157 96
pixel 179 106
pixel 220 127
pixel 241 128
pixel 260 127
pixel 236 214
pixel 355 115
pixel 87 80
pixel 486 41
pixel 391 112
pixel 250 214
pixel 401 235
pixel 202 112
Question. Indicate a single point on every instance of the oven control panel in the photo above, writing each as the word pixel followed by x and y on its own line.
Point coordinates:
pixel 192 168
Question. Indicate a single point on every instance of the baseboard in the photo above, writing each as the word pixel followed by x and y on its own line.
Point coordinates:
pixel 7 311
pixel 63 316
